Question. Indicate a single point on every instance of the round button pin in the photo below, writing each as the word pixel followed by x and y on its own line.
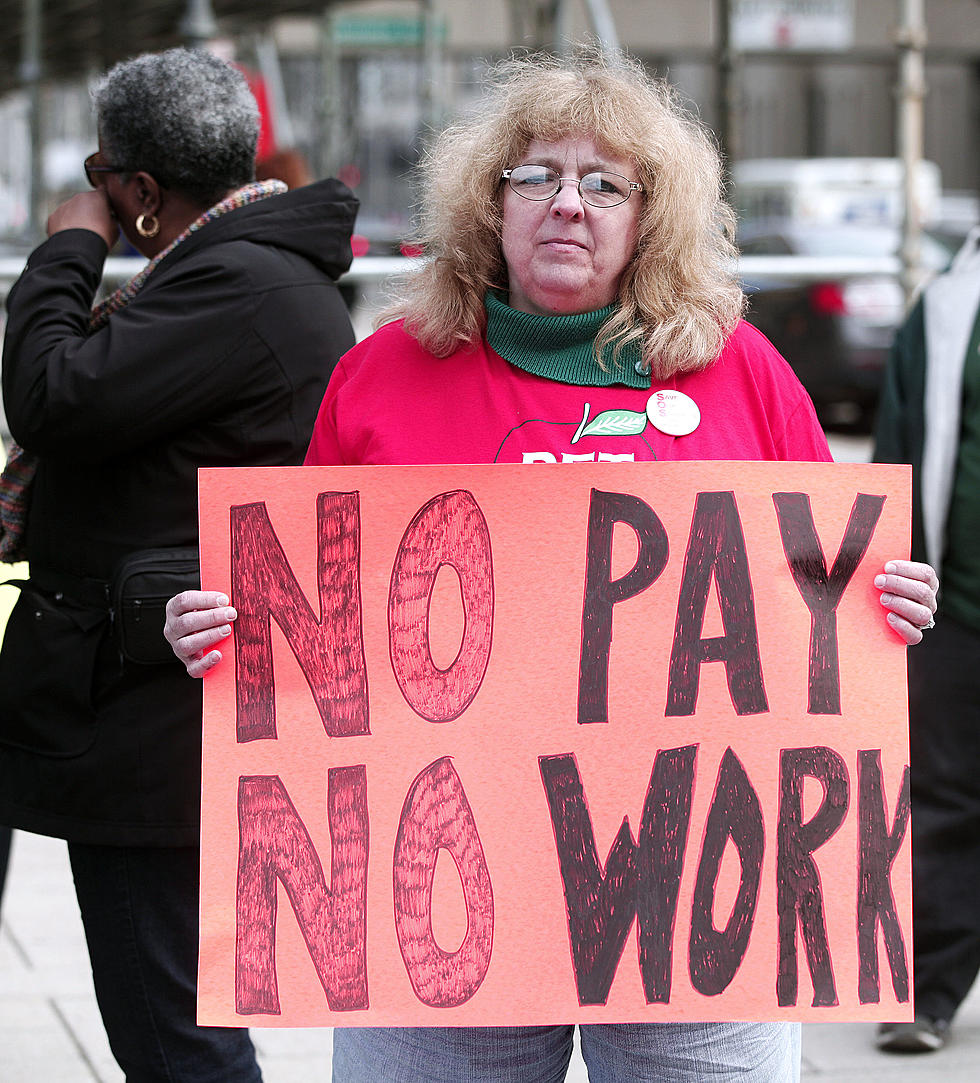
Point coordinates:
pixel 673 412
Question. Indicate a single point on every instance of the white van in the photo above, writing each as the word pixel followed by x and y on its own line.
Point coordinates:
pixel 835 331
pixel 831 191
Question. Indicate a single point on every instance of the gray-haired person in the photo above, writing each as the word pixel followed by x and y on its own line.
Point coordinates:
pixel 217 354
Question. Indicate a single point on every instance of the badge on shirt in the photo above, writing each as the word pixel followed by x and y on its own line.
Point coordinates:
pixel 673 412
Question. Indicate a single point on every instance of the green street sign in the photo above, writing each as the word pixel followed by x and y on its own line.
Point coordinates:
pixel 360 31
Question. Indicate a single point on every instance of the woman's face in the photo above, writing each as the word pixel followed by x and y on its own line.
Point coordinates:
pixel 563 255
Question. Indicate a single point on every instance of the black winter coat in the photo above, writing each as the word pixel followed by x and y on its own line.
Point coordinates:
pixel 220 360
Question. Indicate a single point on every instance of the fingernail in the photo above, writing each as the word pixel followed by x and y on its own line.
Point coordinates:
pixel 880 580
pixel 232 614
pixel 887 599
pixel 223 599
pixel 890 566
pixel 225 631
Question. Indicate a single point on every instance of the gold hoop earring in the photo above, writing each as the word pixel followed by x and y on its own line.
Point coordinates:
pixel 147 225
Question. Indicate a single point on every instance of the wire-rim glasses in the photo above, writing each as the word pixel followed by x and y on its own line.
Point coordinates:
pixel 94 168
pixel 600 189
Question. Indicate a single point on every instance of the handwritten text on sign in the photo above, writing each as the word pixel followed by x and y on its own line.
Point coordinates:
pixel 501 745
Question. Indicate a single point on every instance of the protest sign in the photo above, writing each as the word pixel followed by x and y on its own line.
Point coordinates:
pixel 496 745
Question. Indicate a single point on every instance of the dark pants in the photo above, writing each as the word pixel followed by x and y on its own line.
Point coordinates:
pixel 944 722
pixel 140 912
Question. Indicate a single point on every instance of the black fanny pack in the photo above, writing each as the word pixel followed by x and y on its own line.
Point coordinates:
pixel 142 584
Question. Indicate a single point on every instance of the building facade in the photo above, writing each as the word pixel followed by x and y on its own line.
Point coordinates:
pixel 358 87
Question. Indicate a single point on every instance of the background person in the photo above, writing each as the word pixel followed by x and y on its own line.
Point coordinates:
pixel 930 417
pixel 288 165
pixel 219 356
pixel 578 260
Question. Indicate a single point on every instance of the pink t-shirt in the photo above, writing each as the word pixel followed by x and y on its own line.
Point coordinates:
pixel 390 402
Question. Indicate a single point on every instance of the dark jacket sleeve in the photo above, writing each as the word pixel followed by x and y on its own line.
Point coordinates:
pixel 161 363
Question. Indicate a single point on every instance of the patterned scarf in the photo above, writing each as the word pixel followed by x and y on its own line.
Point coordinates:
pixel 18 474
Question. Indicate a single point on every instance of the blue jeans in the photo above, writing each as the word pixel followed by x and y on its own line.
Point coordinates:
pixel 613 1053
pixel 139 909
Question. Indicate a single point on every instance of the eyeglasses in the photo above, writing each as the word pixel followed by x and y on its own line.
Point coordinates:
pixel 596 189
pixel 93 169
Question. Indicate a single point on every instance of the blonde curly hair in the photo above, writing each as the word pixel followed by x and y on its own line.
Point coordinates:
pixel 679 297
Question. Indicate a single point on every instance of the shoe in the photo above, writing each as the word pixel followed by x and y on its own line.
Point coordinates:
pixel 922 1036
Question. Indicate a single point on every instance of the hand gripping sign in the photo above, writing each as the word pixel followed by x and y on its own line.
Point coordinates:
pixel 494 745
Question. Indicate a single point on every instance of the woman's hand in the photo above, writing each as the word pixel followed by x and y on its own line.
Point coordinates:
pixel 909 594
pixel 87 210
pixel 196 621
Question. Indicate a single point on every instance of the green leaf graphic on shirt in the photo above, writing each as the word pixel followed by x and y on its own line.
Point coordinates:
pixel 614 423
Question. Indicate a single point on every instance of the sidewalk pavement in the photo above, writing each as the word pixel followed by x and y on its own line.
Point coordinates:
pixel 50 1031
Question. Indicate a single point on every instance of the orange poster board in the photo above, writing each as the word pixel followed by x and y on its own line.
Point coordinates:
pixel 494 745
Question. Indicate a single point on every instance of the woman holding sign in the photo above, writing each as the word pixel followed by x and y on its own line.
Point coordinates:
pixel 578 302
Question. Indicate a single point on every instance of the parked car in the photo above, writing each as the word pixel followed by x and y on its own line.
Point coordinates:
pixel 835 332
pixel 832 191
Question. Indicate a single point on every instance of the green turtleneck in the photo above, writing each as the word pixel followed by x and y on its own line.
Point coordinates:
pixel 560 348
